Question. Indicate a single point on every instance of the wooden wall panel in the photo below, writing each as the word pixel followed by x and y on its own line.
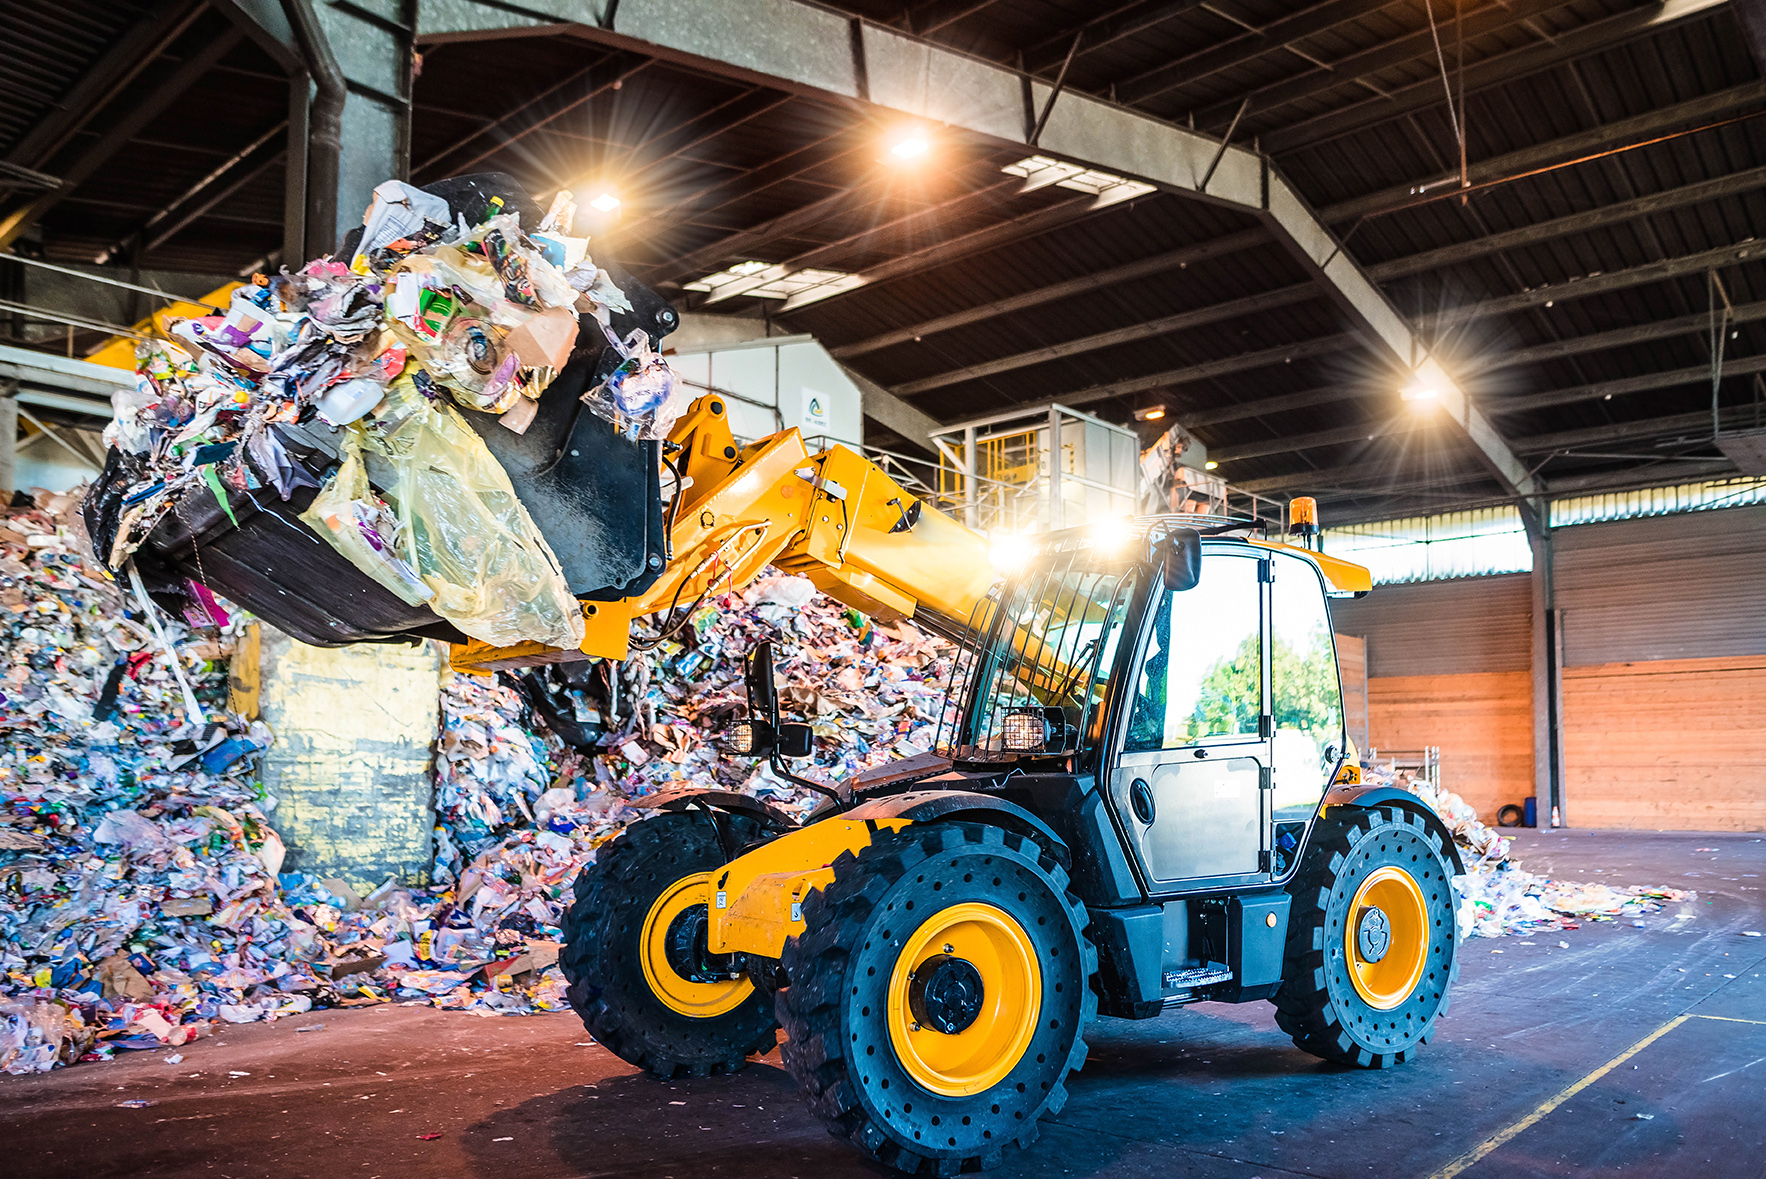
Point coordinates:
pixel 1482 722
pixel 1678 744
pixel 1352 669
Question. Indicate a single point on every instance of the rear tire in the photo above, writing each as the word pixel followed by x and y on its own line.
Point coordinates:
pixel 1361 985
pixel 939 996
pixel 642 885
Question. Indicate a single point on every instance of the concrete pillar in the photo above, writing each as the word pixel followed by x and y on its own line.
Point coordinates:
pixel 349 122
pixel 355 731
pixel 8 438
pixel 1548 682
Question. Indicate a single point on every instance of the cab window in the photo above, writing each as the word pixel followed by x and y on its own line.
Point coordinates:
pixel 1202 676
pixel 1307 694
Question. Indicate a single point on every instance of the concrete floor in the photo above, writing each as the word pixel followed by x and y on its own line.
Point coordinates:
pixel 1213 1091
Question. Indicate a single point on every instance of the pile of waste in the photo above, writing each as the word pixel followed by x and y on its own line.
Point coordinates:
pixel 137 865
pixel 434 310
pixel 141 898
pixel 1498 897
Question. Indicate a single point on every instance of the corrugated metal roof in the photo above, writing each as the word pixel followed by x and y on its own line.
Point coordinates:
pixel 1354 106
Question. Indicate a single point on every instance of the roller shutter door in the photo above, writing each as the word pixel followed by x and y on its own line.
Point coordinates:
pixel 1691 586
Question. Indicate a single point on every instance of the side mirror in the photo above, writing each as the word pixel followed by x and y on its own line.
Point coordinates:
pixel 1180 559
pixel 796 740
pixel 763 696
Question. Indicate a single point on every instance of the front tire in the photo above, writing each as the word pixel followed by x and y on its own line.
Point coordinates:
pixel 1372 946
pixel 635 955
pixel 939 997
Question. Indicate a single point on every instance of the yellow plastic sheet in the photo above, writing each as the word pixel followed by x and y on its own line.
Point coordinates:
pixel 462 529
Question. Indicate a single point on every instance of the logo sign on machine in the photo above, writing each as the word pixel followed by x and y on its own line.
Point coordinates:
pixel 817 408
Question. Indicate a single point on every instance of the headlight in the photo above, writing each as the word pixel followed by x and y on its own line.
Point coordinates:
pixel 1024 729
pixel 749 738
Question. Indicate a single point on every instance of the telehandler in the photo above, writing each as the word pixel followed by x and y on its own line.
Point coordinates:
pixel 1142 795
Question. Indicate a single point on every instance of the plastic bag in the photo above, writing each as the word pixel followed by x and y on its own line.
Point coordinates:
pixel 642 396
pixel 362 526
pixel 463 530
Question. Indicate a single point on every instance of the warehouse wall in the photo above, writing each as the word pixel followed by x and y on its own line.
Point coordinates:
pixel 1449 663
pixel 1665 671
pixel 1664 683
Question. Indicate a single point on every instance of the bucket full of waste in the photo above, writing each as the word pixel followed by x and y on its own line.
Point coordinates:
pixel 420 436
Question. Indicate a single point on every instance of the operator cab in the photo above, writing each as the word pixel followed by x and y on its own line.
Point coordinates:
pixel 1188 666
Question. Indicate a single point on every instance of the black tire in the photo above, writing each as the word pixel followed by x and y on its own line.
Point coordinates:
pixel 838 1045
pixel 1319 1004
pixel 602 957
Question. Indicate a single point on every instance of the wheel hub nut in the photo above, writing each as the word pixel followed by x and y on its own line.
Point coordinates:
pixel 1373 934
pixel 945 995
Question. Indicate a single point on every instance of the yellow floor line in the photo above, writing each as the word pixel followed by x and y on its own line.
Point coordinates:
pixel 1732 1019
pixel 1472 1156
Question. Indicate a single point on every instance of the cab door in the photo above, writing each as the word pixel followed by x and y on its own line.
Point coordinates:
pixel 1191 782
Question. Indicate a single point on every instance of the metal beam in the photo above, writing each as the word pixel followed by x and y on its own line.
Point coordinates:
pixel 1342 436
pixel 120 65
pixel 1690 425
pixel 1557 151
pixel 1618 338
pixel 926 19
pixel 1604 217
pixel 1281 354
pixel 1698 374
pixel 1327 479
pixel 884 407
pixel 1492 17
pixel 141 112
pixel 744 244
pixel 1630 480
pixel 1101 31
pixel 956 207
pixel 1494 70
pixel 1263 406
pixel 991 237
pixel 1282 33
pixel 792 165
pixel 1142 268
pixel 1600 284
pixel 1201 316
pixel 765 41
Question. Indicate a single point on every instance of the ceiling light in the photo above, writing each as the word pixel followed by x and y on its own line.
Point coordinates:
pixel 1421 392
pixel 1042 171
pixel 1210 464
pixel 908 145
pixel 606 202
pixel 1150 413
pixel 765 280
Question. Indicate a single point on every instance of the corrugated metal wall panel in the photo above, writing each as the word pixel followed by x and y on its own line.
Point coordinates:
pixel 1668 587
pixel 1472 624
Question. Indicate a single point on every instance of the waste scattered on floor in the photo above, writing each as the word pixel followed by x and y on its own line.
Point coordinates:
pixel 1499 897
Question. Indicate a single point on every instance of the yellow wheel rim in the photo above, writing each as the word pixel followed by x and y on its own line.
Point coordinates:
pixel 1386 938
pixel 980 1055
pixel 701 1000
